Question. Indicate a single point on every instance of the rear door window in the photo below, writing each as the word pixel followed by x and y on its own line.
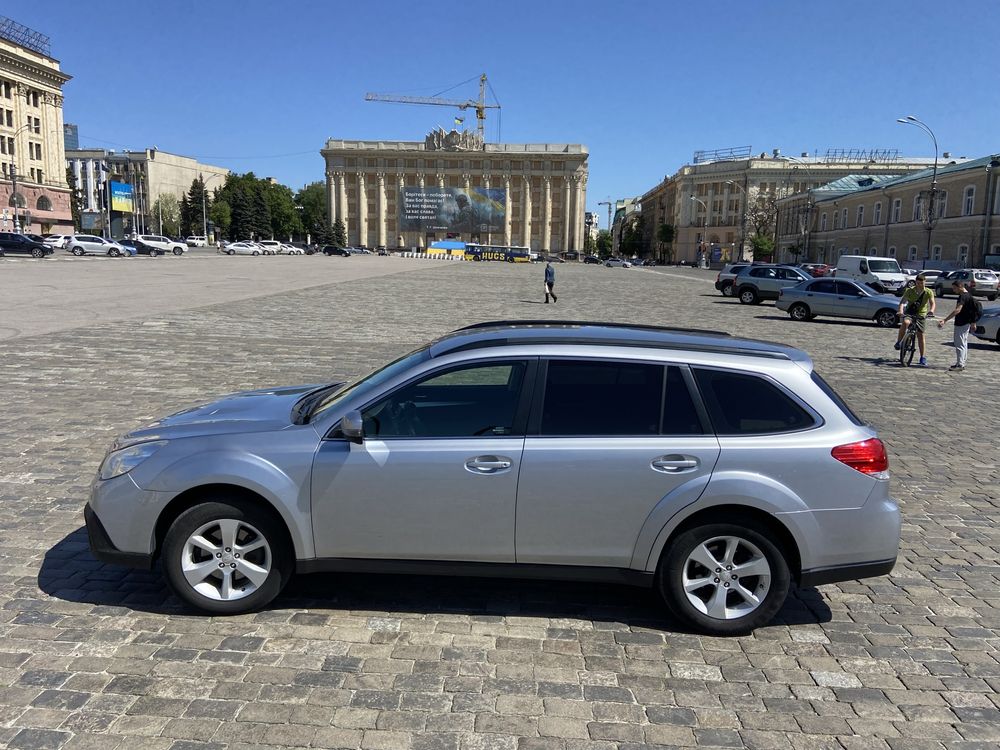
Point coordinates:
pixel 740 404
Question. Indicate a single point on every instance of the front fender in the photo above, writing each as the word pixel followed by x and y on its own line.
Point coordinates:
pixel 288 496
pixel 738 488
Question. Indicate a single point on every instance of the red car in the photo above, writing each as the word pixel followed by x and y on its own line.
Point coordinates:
pixel 815 269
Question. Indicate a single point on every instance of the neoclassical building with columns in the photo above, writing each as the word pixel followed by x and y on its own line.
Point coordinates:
pixel 544 184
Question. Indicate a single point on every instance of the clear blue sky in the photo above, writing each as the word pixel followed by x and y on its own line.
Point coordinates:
pixel 259 85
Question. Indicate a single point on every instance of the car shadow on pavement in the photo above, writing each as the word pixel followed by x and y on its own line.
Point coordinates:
pixel 826 321
pixel 70 572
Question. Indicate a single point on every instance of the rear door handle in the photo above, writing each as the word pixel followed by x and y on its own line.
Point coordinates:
pixel 488 464
pixel 674 464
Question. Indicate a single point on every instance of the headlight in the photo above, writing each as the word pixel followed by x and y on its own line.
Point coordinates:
pixel 123 461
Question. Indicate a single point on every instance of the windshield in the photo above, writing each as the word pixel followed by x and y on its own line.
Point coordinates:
pixel 884 266
pixel 371 381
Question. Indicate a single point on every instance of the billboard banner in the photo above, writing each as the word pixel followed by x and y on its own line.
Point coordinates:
pixel 121 197
pixel 452 209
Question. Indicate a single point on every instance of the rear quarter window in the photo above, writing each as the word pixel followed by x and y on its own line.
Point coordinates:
pixel 740 404
pixel 835 397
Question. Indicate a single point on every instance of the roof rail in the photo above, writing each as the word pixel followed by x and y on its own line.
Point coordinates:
pixel 637 326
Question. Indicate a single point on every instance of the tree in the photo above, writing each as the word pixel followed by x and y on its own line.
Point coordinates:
pixel 339 234
pixel 313 201
pixel 221 215
pixel 762 246
pixel 604 244
pixel 665 236
pixel 166 214
pixel 281 208
pixel 197 202
pixel 632 242
pixel 75 198
pixel 588 244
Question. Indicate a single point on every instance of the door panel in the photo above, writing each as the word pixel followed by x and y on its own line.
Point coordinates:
pixel 415 499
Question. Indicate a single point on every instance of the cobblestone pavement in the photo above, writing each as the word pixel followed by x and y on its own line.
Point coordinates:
pixel 101 657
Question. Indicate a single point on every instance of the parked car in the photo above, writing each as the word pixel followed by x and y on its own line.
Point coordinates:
pixel 816 270
pixel 130 248
pixel 696 499
pixel 269 247
pixel 19 244
pixel 88 244
pixel 930 275
pixel 881 274
pixel 982 282
pixel 724 279
pixel 838 298
pixel 286 249
pixel 334 250
pixel 592 260
pixel 617 263
pixel 242 248
pixel 756 283
pixel 987 327
pixel 57 241
pixel 196 240
pixel 552 259
pixel 162 245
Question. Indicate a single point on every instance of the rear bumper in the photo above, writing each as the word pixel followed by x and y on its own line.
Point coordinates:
pixel 104 549
pixel 853 572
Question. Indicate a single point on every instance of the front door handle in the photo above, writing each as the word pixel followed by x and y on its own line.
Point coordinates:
pixel 674 464
pixel 488 464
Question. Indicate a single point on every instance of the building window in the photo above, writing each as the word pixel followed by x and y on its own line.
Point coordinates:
pixel 843 218
pixel 892 251
pixel 5 89
pixel 936 252
pixel 877 214
pixel 911 254
pixel 916 207
pixel 897 205
pixel 822 223
pixel 969 200
pixel 836 219
pixel 861 216
pixel 941 204
pixel 963 254
pixel 43 204
pixel 873 251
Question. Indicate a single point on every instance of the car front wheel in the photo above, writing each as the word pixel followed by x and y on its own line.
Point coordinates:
pixel 37 252
pixel 724 578
pixel 748 296
pixel 178 251
pixel 887 318
pixel 226 557
pixel 799 312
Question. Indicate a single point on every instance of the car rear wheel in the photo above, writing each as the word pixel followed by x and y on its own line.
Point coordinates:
pixel 255 252
pixel 939 291
pixel 178 251
pixel 227 557
pixel 727 290
pixel 799 312
pixel 724 578
pixel 749 296
pixel 77 251
pixel 886 318
pixel 153 252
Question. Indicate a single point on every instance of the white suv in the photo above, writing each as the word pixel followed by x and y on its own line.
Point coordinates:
pixel 160 244
pixel 196 240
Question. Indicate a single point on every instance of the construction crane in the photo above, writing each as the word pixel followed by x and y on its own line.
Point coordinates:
pixel 479 105
pixel 609 203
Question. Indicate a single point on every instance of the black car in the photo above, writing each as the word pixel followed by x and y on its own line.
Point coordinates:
pixel 334 250
pixel 592 259
pixel 141 248
pixel 18 244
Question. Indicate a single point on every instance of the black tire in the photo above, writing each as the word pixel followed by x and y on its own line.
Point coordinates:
pixel 887 318
pixel 78 252
pixel 749 296
pixel 114 252
pixel 230 252
pixel 178 251
pixel 800 312
pixel 255 252
pixel 991 297
pixel 939 291
pixel 280 559
pixel 37 252
pixel 909 347
pixel 727 289
pixel 670 573
pixel 153 252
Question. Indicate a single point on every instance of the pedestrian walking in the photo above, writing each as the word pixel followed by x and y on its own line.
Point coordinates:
pixel 965 316
pixel 550 282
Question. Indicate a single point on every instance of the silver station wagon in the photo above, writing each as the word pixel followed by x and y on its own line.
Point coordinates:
pixel 728 472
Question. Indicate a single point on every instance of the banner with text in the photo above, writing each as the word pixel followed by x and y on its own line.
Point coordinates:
pixel 452 209
pixel 121 197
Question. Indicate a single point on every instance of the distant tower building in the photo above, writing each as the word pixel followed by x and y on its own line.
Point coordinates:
pixel 71 134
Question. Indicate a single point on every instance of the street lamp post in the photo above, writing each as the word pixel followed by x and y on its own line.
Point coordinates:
pixel 930 220
pixel 204 215
pixel 13 177
pixel 704 228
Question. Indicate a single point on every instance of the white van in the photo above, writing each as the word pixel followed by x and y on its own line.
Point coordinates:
pixel 882 274
pixel 196 241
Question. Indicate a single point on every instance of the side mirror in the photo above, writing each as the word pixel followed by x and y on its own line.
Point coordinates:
pixel 352 426
pixel 863 268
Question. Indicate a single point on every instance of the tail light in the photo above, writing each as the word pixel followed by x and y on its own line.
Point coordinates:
pixel 868 457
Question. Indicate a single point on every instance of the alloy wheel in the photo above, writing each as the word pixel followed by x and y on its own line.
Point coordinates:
pixel 726 577
pixel 226 560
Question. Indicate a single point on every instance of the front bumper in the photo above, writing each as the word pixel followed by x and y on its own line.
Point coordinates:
pixel 104 549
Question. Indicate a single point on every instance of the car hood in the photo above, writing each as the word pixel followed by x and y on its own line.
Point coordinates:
pixel 249 411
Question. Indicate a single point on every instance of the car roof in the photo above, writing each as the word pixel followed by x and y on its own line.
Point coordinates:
pixel 588 333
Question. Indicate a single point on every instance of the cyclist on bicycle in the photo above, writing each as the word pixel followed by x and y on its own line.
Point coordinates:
pixel 914 306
